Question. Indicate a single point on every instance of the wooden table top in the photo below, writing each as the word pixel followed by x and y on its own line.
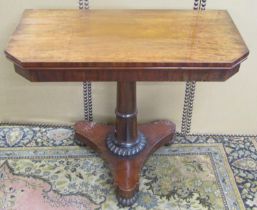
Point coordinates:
pixel 149 44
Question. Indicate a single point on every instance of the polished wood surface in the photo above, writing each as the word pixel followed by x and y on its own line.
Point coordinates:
pixel 134 45
pixel 126 112
pixel 125 171
pixel 126 46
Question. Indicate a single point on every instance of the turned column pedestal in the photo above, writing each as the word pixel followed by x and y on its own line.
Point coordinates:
pixel 126 46
pixel 126 146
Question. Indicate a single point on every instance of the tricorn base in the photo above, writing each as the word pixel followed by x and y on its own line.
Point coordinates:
pixel 125 170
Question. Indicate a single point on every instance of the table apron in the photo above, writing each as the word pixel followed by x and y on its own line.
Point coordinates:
pixel 80 75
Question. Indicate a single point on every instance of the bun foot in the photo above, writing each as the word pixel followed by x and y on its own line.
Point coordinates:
pixel 124 202
pixel 170 142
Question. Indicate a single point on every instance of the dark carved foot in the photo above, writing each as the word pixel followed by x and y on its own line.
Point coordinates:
pixel 125 170
pixel 127 201
pixel 171 141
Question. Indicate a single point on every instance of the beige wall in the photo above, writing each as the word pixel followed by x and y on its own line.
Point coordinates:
pixel 219 107
pixel 231 107
pixel 21 100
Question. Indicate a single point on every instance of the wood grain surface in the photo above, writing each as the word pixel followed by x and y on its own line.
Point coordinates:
pixel 126 46
pixel 102 41
pixel 125 171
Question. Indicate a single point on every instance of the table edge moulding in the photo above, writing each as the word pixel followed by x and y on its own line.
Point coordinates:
pixel 139 45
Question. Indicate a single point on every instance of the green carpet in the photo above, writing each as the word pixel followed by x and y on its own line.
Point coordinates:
pixel 42 167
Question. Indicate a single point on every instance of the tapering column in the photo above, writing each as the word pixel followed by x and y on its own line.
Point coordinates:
pixel 126 140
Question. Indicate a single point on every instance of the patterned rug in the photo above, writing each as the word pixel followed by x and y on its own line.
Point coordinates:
pixel 43 168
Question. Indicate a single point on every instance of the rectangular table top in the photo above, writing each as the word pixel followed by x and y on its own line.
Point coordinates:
pixel 178 41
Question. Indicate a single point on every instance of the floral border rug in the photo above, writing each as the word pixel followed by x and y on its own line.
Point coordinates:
pixel 44 168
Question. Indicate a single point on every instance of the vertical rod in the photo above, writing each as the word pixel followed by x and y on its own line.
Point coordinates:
pixel 126 113
pixel 87 96
pixel 87 92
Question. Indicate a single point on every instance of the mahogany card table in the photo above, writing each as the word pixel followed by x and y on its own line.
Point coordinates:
pixel 126 46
